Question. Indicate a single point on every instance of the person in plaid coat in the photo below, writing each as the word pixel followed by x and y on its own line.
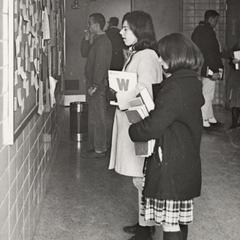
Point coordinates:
pixel 173 171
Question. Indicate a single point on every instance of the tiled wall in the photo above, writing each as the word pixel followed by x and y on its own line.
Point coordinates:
pixel 193 12
pixel 25 165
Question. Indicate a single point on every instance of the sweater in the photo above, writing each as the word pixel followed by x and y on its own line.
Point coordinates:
pixel 98 61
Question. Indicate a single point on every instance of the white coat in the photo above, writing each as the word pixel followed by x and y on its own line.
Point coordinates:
pixel 123 159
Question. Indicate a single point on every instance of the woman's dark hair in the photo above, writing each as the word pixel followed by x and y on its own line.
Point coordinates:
pixel 142 26
pixel 179 52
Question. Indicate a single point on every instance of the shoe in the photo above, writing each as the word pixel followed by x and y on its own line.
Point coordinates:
pixel 133 229
pixel 142 233
pixel 206 124
pixel 172 235
pixel 136 238
pixel 216 124
pixel 212 120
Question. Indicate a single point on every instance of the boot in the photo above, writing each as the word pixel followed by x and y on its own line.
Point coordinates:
pixel 142 233
pixel 133 229
pixel 172 236
pixel 235 117
pixel 184 231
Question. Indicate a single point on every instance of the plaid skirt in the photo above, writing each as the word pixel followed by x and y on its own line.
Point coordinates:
pixel 168 211
pixel 161 211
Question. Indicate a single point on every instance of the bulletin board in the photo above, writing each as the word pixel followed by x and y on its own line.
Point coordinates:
pixel 36 27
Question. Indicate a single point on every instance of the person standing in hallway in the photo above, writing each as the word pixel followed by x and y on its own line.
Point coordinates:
pixel 234 86
pixel 113 34
pixel 117 61
pixel 173 171
pixel 96 46
pixel 138 34
pixel 205 38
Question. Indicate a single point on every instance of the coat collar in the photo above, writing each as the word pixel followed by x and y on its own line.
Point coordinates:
pixel 184 73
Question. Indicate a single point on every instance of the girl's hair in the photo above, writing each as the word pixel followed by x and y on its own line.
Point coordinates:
pixel 142 26
pixel 179 52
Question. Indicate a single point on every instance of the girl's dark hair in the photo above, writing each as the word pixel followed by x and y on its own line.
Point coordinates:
pixel 179 52
pixel 142 26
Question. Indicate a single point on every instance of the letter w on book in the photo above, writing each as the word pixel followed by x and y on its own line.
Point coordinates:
pixel 138 110
pixel 123 83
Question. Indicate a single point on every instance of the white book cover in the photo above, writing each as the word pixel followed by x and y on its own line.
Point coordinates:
pixel 122 81
pixel 147 99
pixel 137 101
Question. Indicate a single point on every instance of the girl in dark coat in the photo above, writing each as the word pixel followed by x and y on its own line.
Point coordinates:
pixel 173 172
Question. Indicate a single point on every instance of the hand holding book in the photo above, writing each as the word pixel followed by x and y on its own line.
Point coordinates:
pixel 124 84
pixel 138 110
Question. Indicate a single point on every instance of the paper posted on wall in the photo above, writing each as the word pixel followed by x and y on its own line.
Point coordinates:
pixel 123 83
pixel 236 55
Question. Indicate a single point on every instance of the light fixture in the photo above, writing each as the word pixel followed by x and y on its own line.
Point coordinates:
pixel 75 4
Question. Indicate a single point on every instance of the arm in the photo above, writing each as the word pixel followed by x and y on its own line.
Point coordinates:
pixel 102 63
pixel 85 46
pixel 167 109
pixel 148 73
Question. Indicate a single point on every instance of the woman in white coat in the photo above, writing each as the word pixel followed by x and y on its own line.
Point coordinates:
pixel 138 34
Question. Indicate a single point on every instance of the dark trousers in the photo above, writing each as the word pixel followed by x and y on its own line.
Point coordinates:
pixel 97 131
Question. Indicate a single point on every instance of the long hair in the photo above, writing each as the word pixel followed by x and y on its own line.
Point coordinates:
pixel 142 26
pixel 179 52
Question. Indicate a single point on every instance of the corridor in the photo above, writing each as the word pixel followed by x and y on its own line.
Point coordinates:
pixel 86 201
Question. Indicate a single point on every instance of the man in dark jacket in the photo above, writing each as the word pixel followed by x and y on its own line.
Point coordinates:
pixel 117 44
pixel 205 38
pixel 96 46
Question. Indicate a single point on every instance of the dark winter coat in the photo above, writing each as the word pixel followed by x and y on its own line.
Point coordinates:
pixel 176 122
pixel 98 55
pixel 205 38
pixel 117 60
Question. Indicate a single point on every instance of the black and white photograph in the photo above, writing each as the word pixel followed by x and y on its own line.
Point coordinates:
pixel 119 119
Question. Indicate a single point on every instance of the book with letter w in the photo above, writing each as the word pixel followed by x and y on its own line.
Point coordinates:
pixel 138 110
pixel 124 83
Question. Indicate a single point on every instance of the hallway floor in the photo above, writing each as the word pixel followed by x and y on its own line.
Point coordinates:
pixel 86 201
